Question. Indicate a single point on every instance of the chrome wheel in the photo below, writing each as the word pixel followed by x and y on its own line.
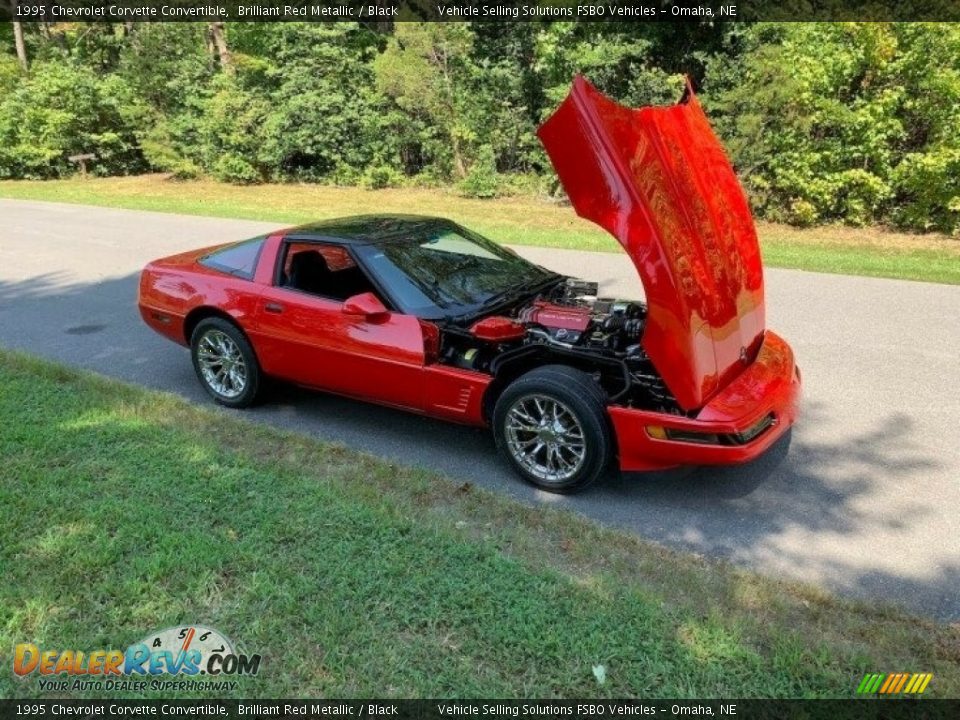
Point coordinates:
pixel 545 438
pixel 221 364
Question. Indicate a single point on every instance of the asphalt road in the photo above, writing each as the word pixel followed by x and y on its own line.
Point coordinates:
pixel 863 498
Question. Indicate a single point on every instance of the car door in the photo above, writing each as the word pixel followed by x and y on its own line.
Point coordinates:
pixel 307 338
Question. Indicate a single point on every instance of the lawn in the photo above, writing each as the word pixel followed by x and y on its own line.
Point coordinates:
pixel 124 511
pixel 517 220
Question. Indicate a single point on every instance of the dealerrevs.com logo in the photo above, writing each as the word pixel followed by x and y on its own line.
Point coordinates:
pixel 182 652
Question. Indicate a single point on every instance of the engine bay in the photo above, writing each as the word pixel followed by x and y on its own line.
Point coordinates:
pixel 570 322
pixel 575 317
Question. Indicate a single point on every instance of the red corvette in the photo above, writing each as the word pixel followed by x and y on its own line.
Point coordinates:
pixel 422 314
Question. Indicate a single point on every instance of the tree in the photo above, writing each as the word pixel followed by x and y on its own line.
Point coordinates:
pixel 423 70
pixel 324 122
pixel 844 121
pixel 618 59
pixel 218 40
pixel 853 122
pixel 18 41
pixel 64 109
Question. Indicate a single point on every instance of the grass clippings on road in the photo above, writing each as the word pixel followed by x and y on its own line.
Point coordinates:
pixel 123 511
pixel 512 220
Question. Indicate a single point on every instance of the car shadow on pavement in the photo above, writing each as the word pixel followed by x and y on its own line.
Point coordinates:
pixel 832 510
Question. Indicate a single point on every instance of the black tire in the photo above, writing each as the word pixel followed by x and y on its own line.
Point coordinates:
pixel 208 336
pixel 577 394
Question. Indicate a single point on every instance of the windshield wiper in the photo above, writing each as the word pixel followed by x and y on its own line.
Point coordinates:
pixel 510 295
pixel 500 298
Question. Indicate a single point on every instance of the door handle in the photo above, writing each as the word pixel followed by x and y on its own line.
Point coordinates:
pixel 272 307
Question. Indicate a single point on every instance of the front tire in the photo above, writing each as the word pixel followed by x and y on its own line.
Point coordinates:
pixel 551 424
pixel 225 363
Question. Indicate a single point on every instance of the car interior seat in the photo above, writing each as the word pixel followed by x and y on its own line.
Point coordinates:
pixel 309 272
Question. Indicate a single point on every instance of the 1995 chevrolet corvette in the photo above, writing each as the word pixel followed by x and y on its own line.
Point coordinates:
pixel 422 314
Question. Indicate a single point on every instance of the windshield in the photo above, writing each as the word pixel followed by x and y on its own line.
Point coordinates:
pixel 449 272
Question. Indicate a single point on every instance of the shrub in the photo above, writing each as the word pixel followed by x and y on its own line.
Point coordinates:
pixel 861 196
pixel 843 121
pixel 802 213
pixel 234 169
pixel 60 110
pixel 928 190
pixel 377 177
pixel 161 146
pixel 231 133
pixel 482 180
pixel 322 121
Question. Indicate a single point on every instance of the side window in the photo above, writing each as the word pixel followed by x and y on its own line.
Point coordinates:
pixel 239 259
pixel 336 257
pixel 323 270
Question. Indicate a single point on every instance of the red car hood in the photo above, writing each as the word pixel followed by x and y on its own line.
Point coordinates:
pixel 658 180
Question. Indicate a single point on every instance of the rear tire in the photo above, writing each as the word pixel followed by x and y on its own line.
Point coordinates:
pixel 225 363
pixel 551 425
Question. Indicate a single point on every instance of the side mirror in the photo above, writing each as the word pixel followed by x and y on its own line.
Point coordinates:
pixel 365 305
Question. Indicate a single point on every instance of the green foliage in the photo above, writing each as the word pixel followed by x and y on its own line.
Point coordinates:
pixel 617 59
pixel 929 188
pixel 160 145
pixel 378 177
pixel 232 133
pixel 322 120
pixel 424 73
pixel 851 122
pixel 169 73
pixel 61 110
pixel 843 121
pixel 9 75
pixel 482 181
pixel 381 575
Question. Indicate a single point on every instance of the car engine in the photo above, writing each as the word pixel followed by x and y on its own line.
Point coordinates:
pixel 570 322
pixel 573 316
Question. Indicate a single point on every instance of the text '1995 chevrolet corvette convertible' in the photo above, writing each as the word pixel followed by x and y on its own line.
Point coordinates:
pixel 422 314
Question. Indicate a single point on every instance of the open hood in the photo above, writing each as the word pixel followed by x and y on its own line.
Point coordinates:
pixel 658 180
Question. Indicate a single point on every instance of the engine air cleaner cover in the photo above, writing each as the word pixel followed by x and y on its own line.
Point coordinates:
pixel 556 316
pixel 497 329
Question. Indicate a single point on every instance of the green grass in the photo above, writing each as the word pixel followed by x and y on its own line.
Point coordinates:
pixel 123 511
pixel 515 220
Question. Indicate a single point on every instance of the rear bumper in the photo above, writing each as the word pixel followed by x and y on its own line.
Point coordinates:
pixel 166 323
pixel 154 307
pixel 737 425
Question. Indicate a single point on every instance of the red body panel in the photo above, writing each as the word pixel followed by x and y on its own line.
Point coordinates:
pixel 170 288
pixel 455 394
pixel 771 384
pixel 312 342
pixel 658 180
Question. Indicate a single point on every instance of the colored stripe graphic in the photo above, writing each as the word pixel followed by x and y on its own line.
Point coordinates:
pixel 894 683
pixel 901 683
pixel 188 639
pixel 889 681
pixel 866 683
pixel 870 683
